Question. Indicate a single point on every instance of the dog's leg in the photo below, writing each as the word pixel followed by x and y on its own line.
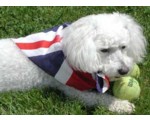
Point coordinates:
pixel 95 99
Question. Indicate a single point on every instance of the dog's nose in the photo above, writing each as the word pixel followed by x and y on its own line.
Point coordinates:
pixel 123 71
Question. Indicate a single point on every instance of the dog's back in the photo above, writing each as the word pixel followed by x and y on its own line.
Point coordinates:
pixel 16 70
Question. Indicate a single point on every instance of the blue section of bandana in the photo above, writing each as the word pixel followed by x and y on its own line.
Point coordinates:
pixel 50 63
pixel 56 27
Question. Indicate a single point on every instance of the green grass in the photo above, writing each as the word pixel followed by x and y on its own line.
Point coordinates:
pixel 21 21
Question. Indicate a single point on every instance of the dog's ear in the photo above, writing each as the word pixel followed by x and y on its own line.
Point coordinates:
pixel 137 45
pixel 79 47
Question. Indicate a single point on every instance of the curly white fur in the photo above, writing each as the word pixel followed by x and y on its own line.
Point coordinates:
pixel 104 31
pixel 104 42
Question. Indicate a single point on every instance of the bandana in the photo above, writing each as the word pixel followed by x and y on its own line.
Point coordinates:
pixel 45 50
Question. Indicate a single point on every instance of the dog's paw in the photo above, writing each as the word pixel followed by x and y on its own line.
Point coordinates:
pixel 122 107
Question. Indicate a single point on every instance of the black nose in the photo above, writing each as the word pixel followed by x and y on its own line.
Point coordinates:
pixel 123 71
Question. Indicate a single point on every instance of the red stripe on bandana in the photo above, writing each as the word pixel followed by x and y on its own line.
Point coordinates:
pixel 39 44
pixel 81 81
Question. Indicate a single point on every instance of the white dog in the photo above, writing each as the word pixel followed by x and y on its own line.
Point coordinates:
pixel 105 43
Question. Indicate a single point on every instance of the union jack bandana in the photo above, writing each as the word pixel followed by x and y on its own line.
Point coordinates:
pixel 45 50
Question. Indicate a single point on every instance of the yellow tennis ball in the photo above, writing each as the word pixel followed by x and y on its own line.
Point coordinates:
pixel 126 88
pixel 135 72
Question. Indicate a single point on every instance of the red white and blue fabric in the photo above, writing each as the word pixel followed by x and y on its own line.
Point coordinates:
pixel 45 50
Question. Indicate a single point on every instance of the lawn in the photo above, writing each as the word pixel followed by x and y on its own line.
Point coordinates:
pixel 21 21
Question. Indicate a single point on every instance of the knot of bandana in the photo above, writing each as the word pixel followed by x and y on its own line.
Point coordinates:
pixel 102 83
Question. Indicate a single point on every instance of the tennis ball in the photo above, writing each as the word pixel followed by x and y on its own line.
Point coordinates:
pixel 135 72
pixel 126 88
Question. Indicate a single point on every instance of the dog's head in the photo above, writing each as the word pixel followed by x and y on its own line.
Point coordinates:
pixel 107 43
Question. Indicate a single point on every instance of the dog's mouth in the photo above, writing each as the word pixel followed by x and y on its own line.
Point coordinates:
pixel 117 77
pixel 99 72
pixel 102 73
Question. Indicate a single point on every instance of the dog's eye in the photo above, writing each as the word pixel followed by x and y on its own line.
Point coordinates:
pixel 104 50
pixel 123 47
